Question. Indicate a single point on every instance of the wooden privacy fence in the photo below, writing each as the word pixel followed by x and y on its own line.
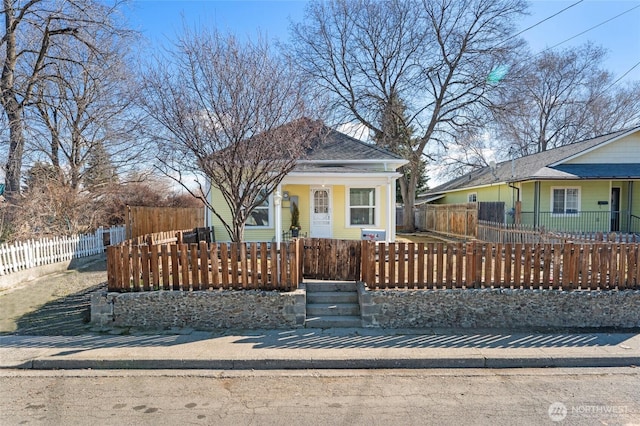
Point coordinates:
pixel 203 266
pixel 485 265
pixel 450 219
pixel 148 220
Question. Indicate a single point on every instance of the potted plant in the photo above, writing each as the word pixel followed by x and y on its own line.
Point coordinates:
pixel 295 220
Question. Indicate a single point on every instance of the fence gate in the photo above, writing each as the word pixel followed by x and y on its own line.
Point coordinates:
pixel 325 259
pixel 491 211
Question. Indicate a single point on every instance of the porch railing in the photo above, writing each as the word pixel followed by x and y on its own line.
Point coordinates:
pixel 583 221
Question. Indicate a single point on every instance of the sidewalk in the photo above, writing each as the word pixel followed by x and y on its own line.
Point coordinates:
pixel 43 326
pixel 320 349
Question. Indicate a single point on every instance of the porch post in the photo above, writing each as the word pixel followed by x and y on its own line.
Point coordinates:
pixel 391 211
pixel 629 204
pixel 536 204
pixel 277 201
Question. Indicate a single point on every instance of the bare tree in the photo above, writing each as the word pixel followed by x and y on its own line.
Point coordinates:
pixel 32 30
pixel 231 113
pixel 84 118
pixel 433 56
pixel 560 97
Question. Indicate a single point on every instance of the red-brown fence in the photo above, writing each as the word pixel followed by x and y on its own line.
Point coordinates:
pixel 498 232
pixel 485 265
pixel 203 266
pixel 327 259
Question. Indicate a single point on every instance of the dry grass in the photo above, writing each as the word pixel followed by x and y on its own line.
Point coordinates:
pixel 422 237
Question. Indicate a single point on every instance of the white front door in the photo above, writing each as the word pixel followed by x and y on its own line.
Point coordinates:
pixel 320 213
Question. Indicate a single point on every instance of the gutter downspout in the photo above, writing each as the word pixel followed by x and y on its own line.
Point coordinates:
pixel 516 212
pixel 510 185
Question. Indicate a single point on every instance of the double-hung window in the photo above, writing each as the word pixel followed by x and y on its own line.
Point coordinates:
pixel 565 201
pixel 261 215
pixel 362 206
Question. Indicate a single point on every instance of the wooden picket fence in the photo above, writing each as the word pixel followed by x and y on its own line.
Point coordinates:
pixel 23 255
pixel 596 266
pixel 498 232
pixel 204 266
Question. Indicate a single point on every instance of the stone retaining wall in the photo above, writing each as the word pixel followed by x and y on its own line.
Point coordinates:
pixel 456 308
pixel 499 308
pixel 201 310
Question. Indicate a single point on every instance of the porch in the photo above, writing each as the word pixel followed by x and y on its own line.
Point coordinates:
pixel 619 221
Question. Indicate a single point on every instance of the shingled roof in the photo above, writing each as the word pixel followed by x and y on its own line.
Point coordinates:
pixel 544 165
pixel 334 146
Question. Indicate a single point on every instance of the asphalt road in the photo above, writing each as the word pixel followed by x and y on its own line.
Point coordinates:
pixel 375 397
pixel 53 305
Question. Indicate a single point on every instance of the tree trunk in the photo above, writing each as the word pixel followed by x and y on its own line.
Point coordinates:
pixel 16 148
pixel 408 184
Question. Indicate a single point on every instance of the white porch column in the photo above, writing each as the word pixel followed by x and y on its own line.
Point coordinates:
pixel 391 210
pixel 277 202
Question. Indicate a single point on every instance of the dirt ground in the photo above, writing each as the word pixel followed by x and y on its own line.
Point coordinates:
pixel 423 237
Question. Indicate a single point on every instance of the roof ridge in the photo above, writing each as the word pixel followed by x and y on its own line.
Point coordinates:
pixel 369 145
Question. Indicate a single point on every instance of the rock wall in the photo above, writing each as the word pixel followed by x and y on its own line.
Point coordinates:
pixel 200 310
pixel 499 308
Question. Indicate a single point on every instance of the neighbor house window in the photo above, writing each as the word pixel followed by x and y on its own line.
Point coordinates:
pixel 362 206
pixel 473 197
pixel 565 200
pixel 261 215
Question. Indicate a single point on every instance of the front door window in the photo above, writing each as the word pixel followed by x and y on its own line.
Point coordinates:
pixel 321 213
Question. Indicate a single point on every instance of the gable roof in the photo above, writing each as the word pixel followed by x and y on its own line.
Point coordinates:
pixel 548 165
pixel 333 146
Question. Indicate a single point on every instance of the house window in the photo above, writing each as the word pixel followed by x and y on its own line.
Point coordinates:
pixel 473 197
pixel 362 206
pixel 565 201
pixel 260 217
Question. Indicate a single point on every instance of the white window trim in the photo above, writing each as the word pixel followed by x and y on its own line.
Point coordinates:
pixel 271 224
pixel 347 207
pixel 564 188
pixel 475 194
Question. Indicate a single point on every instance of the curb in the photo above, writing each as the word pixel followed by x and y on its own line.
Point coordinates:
pixel 331 364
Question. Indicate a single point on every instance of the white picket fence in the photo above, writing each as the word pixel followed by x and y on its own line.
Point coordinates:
pixel 31 253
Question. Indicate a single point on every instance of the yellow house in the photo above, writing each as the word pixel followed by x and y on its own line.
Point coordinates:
pixel 341 187
pixel 585 186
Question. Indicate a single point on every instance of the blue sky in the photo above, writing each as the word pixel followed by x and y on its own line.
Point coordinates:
pixel 161 20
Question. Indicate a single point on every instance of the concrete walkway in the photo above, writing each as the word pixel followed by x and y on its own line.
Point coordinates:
pixel 320 349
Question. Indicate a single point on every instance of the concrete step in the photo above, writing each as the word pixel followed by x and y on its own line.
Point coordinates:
pixel 324 286
pixel 332 297
pixel 333 322
pixel 333 309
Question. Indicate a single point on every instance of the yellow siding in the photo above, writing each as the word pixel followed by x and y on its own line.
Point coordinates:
pixel 340 229
pixel 339 214
pixel 486 193
pixel 590 193
pixel 261 234
pixel 526 196
pixel 302 192
pixel 618 152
